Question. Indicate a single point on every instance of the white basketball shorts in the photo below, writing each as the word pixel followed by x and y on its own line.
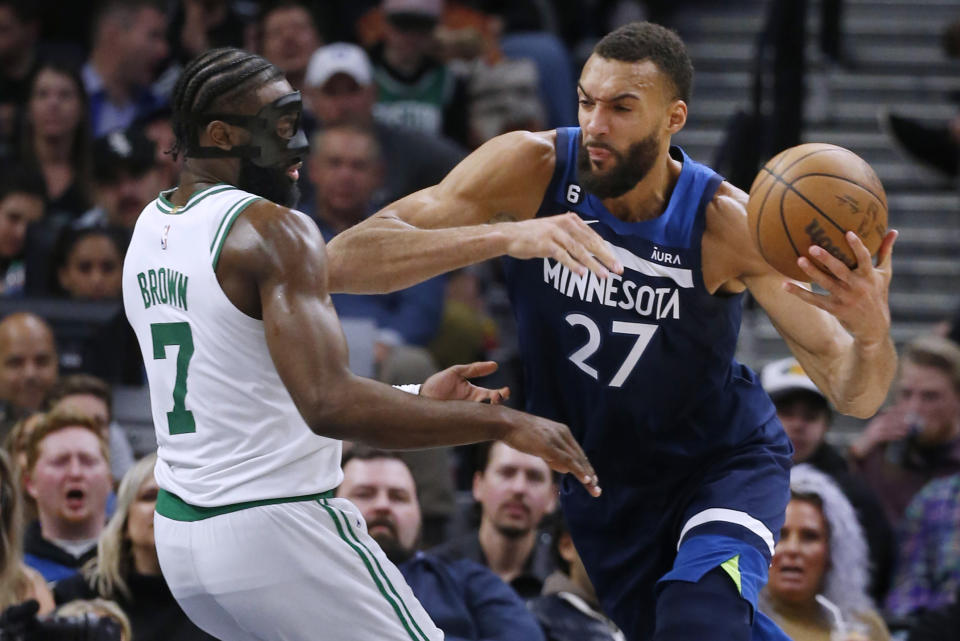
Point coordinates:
pixel 300 569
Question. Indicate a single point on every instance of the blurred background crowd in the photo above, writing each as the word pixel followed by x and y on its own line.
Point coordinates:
pixel 396 92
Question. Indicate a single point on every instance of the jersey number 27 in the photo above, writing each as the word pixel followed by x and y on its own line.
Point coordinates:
pixel 643 331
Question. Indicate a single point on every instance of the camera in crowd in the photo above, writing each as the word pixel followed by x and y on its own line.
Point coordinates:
pixel 20 623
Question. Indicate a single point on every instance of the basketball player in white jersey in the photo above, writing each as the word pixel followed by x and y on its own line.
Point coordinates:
pixel 226 289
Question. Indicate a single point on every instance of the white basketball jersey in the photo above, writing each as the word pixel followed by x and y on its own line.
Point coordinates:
pixel 228 431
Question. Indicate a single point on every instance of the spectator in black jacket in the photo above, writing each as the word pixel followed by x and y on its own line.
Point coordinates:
pixel 569 609
pixel 126 569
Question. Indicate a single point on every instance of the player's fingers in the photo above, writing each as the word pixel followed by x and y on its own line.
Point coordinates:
pixel 561 255
pixel 495 396
pixel 817 275
pixel 833 265
pixel 579 253
pixel 598 247
pixel 582 467
pixel 885 253
pixel 864 261
pixel 476 369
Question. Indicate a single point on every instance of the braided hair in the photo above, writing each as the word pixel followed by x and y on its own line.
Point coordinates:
pixel 215 77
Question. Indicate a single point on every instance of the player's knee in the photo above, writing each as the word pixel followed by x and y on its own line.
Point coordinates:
pixel 706 610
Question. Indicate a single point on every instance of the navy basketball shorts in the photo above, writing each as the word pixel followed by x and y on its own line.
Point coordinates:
pixel 724 512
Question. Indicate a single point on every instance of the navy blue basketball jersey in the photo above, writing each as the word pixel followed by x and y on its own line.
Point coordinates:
pixel 641 367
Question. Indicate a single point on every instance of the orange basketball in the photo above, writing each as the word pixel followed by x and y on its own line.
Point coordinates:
pixel 813 194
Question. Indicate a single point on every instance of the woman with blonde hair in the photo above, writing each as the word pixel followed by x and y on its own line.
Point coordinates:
pixel 818 578
pixel 18 583
pixel 126 569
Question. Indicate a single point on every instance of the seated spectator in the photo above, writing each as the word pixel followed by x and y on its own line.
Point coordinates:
pixel 18 582
pixel 917 439
pixel 20 26
pixel 806 417
pixel 89 261
pixel 55 139
pixel 95 611
pixel 126 569
pixel 569 609
pixel 68 475
pixel 818 578
pixel 199 25
pixel 28 366
pixel 126 178
pixel 22 197
pixel 928 569
pixel 515 492
pixel 339 88
pixel 463 598
pixel 128 47
pixel 92 336
pixel 467 332
pixel 89 395
pixel 415 89
pixel 345 168
pixel 288 36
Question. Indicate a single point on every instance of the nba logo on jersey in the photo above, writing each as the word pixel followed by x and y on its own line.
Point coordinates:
pixel 163 236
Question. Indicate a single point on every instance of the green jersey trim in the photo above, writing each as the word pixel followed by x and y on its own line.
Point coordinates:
pixel 226 223
pixel 166 207
pixel 173 507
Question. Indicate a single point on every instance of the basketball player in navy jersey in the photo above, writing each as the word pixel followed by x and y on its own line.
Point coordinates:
pixel 631 340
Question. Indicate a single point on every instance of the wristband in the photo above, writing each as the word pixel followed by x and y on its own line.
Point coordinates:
pixel 409 389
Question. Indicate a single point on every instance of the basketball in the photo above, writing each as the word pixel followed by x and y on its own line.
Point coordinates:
pixel 812 194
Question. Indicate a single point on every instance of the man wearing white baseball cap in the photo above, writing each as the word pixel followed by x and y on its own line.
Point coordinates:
pixel 339 88
pixel 806 417
pixel 801 406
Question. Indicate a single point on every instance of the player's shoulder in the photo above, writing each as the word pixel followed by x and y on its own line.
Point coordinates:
pixel 524 146
pixel 726 212
pixel 274 233
pixel 729 253
pixel 730 200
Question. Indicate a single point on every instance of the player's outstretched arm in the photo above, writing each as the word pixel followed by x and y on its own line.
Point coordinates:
pixel 287 267
pixel 482 209
pixel 841 337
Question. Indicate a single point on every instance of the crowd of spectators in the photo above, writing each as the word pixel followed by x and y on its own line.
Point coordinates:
pixel 395 93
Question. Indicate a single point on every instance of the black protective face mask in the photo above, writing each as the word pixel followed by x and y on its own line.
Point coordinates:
pixel 271 183
pixel 276 139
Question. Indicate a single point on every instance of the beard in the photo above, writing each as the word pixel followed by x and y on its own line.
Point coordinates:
pixel 388 538
pixel 392 547
pixel 511 532
pixel 268 182
pixel 624 174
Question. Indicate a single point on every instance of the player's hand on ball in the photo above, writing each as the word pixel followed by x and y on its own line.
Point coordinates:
pixel 554 443
pixel 565 238
pixel 856 297
pixel 453 384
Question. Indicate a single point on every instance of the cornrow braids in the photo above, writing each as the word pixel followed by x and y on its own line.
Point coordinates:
pixel 214 76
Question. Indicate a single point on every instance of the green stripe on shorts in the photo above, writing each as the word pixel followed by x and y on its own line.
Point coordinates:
pixel 376 579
